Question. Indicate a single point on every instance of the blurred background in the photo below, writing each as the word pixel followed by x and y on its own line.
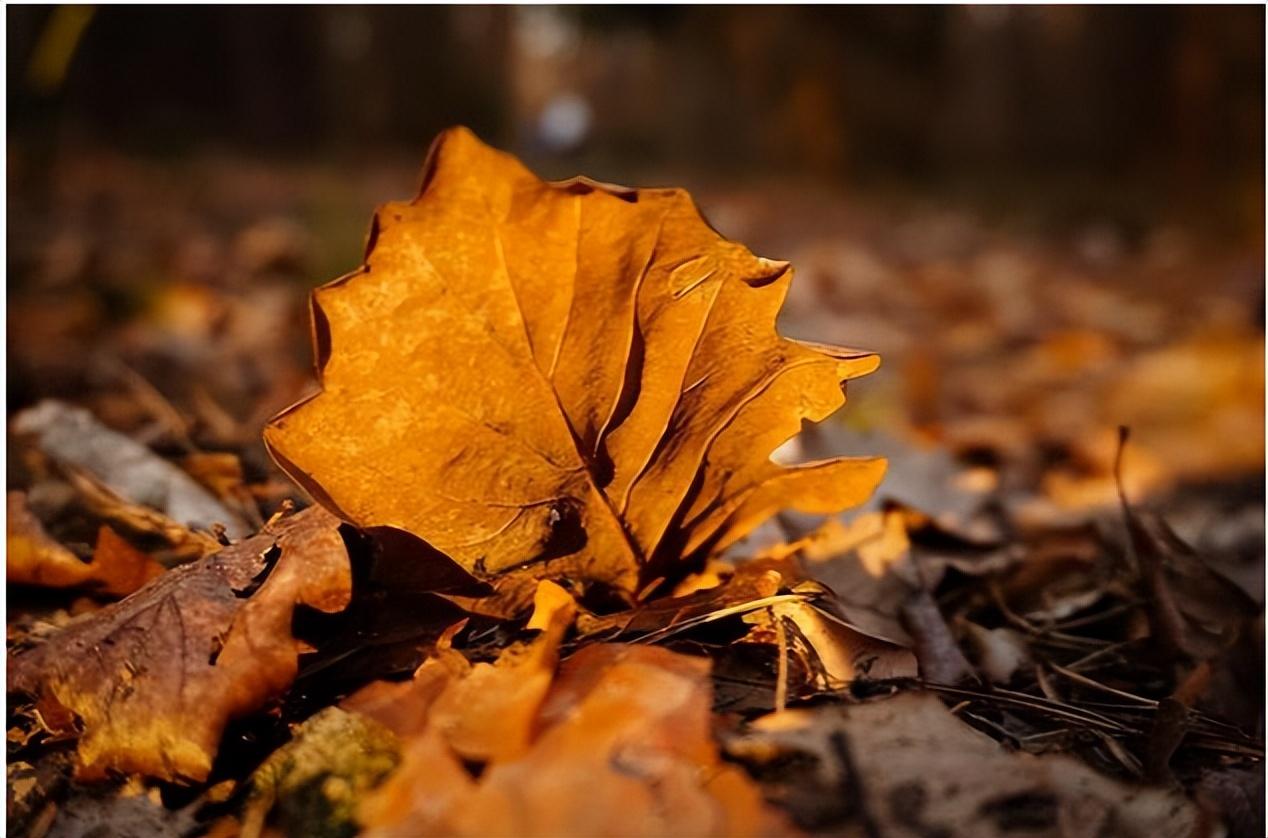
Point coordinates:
pixel 1048 220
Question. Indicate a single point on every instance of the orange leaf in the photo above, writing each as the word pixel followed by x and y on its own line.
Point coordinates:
pixel 625 748
pixel 561 379
pixel 35 558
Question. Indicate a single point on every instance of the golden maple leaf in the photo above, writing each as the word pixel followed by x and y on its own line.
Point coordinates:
pixel 561 379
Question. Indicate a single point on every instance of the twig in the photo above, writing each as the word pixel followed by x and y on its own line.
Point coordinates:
pixel 721 613
pixel 781 677
pixel 1088 658
pixel 1097 685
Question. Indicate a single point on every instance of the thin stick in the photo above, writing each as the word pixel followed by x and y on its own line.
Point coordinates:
pixel 1097 685
pixel 742 608
pixel 781 679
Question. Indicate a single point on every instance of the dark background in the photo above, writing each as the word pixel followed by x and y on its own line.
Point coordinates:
pixel 1047 220
pixel 1170 98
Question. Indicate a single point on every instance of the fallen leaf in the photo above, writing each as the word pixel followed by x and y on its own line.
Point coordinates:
pixel 185 543
pixel 999 653
pixel 121 567
pixel 488 714
pixel 72 437
pixel 748 587
pixel 1192 609
pixel 907 766
pixel 838 652
pixel 571 378
pixel 628 724
pixel 155 678
pixel 35 558
pixel 401 706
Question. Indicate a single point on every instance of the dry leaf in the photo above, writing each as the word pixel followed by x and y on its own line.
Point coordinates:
pixel 401 706
pixel 155 678
pixel 74 438
pixel 489 713
pixel 574 376
pixel 907 766
pixel 1193 610
pixel 185 544
pixel 121 567
pixel 628 726
pixel 838 653
pixel 35 558
pixel 750 586
pixel 879 560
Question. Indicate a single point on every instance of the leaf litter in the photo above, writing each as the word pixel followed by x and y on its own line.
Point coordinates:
pixel 524 604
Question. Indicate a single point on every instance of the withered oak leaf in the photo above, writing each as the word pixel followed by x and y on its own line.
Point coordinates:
pixel 561 379
pixel 154 678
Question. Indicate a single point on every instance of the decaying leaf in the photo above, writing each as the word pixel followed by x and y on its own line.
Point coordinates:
pixel 880 561
pixel 154 679
pixel 74 438
pixel 838 653
pixel 488 714
pixel 35 558
pixel 627 725
pixel 1192 609
pixel 572 376
pixel 184 542
pixel 772 596
pixel 907 766
pixel 129 809
pixel 401 706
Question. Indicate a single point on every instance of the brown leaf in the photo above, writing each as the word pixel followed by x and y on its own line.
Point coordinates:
pixel 571 375
pixel 879 560
pixel 839 653
pixel 907 766
pixel 401 706
pixel 101 501
pixel 35 558
pixel 75 439
pixel 752 582
pixel 1193 609
pixel 770 595
pixel 488 713
pixel 155 678
pixel 483 711
pixel 627 725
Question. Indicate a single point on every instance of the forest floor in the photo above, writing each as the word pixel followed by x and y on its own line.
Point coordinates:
pixel 1066 622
